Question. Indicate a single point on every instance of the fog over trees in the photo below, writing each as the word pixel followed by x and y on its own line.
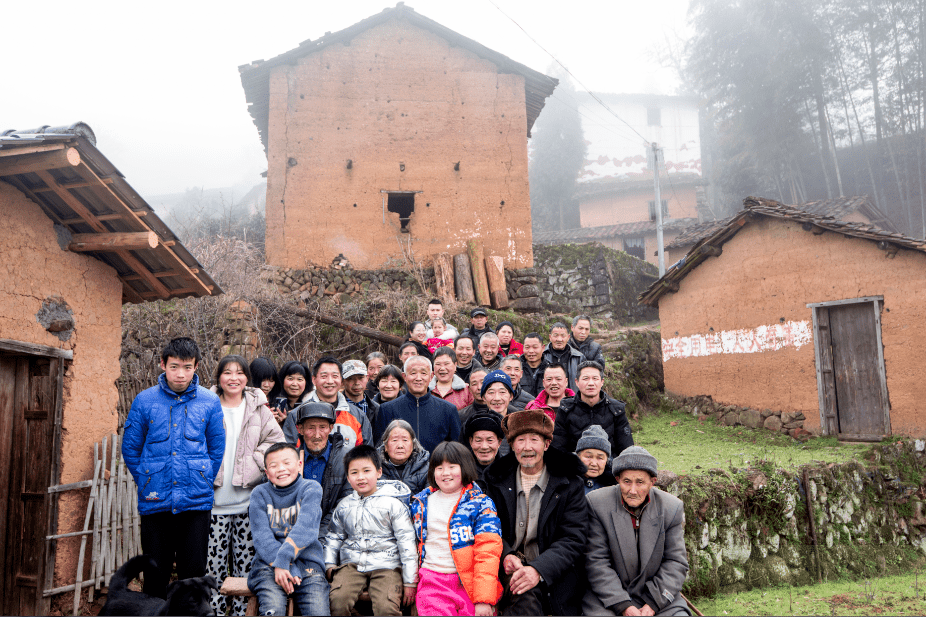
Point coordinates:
pixel 813 99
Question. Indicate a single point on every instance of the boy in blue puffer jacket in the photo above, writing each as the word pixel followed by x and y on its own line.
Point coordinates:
pixel 172 444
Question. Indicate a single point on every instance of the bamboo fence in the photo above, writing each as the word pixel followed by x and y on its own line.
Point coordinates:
pixel 111 524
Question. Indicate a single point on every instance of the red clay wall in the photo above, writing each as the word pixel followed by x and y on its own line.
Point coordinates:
pixel 36 268
pixel 632 207
pixel 396 95
pixel 766 276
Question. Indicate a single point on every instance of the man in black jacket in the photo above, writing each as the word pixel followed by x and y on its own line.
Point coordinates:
pixel 581 341
pixel 434 419
pixel 558 351
pixel 532 364
pixel 591 406
pixel 541 503
pixel 323 453
pixel 480 324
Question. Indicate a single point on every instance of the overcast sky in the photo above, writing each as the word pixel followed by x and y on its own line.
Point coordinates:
pixel 158 81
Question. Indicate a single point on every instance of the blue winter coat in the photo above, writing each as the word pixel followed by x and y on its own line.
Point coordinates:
pixel 173 446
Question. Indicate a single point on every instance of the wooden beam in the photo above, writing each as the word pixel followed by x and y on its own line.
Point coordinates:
pixel 495 271
pixel 477 265
pixel 713 251
pixel 41 161
pixel 129 294
pixel 130 241
pixel 73 185
pixel 443 276
pixel 35 350
pixel 160 275
pixel 73 203
pixel 464 279
pixel 21 150
pixel 89 218
pixel 670 285
pixel 78 220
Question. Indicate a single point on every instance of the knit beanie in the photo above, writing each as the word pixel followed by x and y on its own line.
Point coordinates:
pixel 637 458
pixel 497 376
pixel 527 421
pixel 594 437
pixel 483 421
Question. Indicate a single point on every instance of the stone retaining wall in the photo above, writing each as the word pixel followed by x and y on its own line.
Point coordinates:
pixel 593 279
pixel 788 422
pixel 750 527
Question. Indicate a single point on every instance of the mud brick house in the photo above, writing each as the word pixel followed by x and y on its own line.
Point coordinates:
pixel 394 137
pixel 780 308
pixel 77 243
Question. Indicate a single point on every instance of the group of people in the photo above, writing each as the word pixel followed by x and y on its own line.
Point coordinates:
pixel 478 475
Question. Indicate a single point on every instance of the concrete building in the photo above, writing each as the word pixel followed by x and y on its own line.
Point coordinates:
pixel 395 138
pixel 77 243
pixel 784 309
pixel 615 187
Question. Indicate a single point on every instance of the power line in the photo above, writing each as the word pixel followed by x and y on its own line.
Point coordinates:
pixel 568 72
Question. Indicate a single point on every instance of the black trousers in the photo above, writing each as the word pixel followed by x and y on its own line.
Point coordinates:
pixel 169 537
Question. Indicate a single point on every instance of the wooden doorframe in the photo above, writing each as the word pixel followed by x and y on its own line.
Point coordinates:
pixel 877 303
pixel 58 358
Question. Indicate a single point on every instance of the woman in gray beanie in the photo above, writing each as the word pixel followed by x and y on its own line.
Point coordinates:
pixel 594 450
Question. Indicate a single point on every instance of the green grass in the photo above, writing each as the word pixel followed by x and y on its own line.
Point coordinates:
pixel 891 595
pixel 683 444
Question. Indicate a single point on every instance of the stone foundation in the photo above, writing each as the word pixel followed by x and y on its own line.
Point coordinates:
pixel 788 422
pixel 749 528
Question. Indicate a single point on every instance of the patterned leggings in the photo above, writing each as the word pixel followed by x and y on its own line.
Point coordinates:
pixel 231 551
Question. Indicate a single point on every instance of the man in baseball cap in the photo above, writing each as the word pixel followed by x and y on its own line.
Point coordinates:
pixel 537 483
pixel 323 451
pixel 636 543
pixel 354 382
pixel 478 319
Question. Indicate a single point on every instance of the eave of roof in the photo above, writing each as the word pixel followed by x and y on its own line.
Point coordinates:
pixel 755 208
pixel 588 234
pixel 255 77
pixel 828 208
pixel 79 189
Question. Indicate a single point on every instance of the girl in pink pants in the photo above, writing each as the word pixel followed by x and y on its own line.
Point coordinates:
pixel 459 538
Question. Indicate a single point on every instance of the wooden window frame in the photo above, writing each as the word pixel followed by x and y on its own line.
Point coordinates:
pixel 877 303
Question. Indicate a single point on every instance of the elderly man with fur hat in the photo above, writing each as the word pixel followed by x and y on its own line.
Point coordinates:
pixel 540 498
pixel 636 561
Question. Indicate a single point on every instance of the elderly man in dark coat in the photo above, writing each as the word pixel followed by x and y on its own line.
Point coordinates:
pixel 539 494
pixel 636 560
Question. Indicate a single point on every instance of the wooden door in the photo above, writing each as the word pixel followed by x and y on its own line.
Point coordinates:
pixel 28 400
pixel 851 370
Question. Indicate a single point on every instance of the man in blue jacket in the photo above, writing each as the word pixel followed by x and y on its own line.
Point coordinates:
pixel 173 443
pixel 434 419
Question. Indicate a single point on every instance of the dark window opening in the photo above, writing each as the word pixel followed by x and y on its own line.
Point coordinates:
pixel 402 204
pixel 636 246
pixel 652 209
pixel 653 116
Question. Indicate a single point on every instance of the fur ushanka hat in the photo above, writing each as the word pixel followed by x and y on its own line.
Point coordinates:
pixel 527 421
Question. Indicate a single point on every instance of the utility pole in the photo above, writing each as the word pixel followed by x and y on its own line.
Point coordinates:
pixel 654 158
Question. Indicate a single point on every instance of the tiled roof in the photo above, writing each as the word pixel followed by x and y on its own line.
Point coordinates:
pixel 756 207
pixel 828 208
pixel 589 234
pixel 61 169
pixel 255 77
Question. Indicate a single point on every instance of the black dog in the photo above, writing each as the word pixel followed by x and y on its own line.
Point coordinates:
pixel 187 597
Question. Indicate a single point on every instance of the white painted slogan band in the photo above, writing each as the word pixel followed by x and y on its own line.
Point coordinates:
pixel 764 338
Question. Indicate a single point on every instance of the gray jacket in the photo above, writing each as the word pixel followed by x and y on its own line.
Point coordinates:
pixel 375 532
pixel 617 572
